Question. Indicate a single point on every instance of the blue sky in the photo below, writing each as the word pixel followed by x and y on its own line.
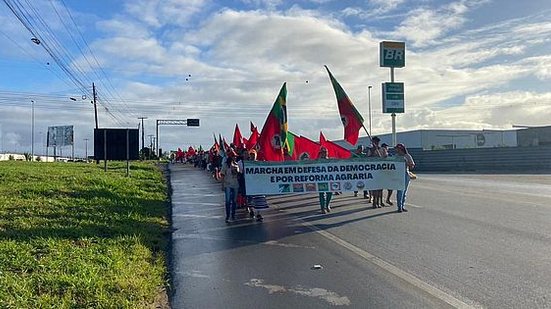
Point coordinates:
pixel 470 64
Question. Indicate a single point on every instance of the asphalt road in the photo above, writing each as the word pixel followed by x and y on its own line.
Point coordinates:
pixel 467 241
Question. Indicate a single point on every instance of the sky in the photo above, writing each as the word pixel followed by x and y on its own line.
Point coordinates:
pixel 470 64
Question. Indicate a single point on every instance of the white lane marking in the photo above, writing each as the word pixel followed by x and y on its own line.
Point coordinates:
pixel 198 194
pixel 409 278
pixel 286 245
pixel 196 203
pixel 196 216
pixel 328 296
pixel 193 273
pixel 214 238
pixel 414 206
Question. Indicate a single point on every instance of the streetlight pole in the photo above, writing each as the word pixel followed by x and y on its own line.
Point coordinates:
pixel 143 133
pixel 32 130
pixel 151 136
pixel 369 105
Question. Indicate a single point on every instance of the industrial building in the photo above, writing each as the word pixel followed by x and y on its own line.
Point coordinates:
pixel 521 150
pixel 440 139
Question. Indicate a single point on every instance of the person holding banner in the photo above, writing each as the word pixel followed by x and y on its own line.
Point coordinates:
pixel 230 171
pixel 384 146
pixel 360 153
pixel 376 151
pixel 259 202
pixel 325 197
pixel 401 151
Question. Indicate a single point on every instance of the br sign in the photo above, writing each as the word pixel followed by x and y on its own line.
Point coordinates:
pixel 393 54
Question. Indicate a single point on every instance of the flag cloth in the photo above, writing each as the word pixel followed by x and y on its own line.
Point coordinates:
pixel 226 145
pixel 333 150
pixel 222 146
pixel 273 137
pixel 237 138
pixel 253 139
pixel 253 127
pixel 350 117
pixel 216 145
pixel 306 148
pixel 291 138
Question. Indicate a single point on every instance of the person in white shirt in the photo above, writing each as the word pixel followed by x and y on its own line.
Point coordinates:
pixel 229 173
pixel 401 151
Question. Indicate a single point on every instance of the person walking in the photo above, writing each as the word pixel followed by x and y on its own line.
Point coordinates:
pixel 384 146
pixel 229 174
pixel 360 153
pixel 376 151
pixel 258 202
pixel 324 197
pixel 401 151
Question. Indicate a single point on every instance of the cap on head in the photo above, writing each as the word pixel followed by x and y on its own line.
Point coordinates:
pixel 376 139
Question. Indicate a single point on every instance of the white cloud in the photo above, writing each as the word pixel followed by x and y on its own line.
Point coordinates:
pixel 158 13
pixel 424 25
pixel 239 59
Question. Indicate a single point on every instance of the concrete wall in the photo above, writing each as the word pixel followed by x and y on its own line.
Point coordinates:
pixel 21 157
pixel 506 159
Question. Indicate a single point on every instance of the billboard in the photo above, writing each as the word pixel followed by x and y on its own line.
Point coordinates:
pixel 60 136
pixel 116 144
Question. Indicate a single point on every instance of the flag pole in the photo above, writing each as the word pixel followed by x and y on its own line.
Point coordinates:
pixel 366 132
pixel 371 140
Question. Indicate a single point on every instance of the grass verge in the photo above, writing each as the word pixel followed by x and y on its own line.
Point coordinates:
pixel 73 236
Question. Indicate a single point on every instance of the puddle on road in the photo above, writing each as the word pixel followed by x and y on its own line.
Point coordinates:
pixel 328 296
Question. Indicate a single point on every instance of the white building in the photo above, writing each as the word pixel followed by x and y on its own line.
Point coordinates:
pixel 434 139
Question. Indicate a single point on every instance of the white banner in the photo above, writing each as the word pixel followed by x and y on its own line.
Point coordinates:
pixel 324 175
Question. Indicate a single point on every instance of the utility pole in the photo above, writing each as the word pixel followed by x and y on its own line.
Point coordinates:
pixel 94 95
pixel 143 132
pixel 369 105
pixel 95 110
pixel 32 131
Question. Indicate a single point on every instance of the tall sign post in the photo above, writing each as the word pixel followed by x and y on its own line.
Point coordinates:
pixel 188 122
pixel 393 55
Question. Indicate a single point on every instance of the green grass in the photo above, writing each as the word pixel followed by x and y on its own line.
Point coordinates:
pixel 73 236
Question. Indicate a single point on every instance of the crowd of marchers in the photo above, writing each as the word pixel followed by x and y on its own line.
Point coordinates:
pixel 226 165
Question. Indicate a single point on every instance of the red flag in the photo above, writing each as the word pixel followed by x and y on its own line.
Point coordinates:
pixel 350 117
pixel 226 146
pixel 253 139
pixel 237 138
pixel 253 127
pixel 305 148
pixel 273 135
pixel 216 145
pixel 334 150
pixel 222 145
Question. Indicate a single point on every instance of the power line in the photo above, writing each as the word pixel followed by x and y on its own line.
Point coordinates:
pixel 47 39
